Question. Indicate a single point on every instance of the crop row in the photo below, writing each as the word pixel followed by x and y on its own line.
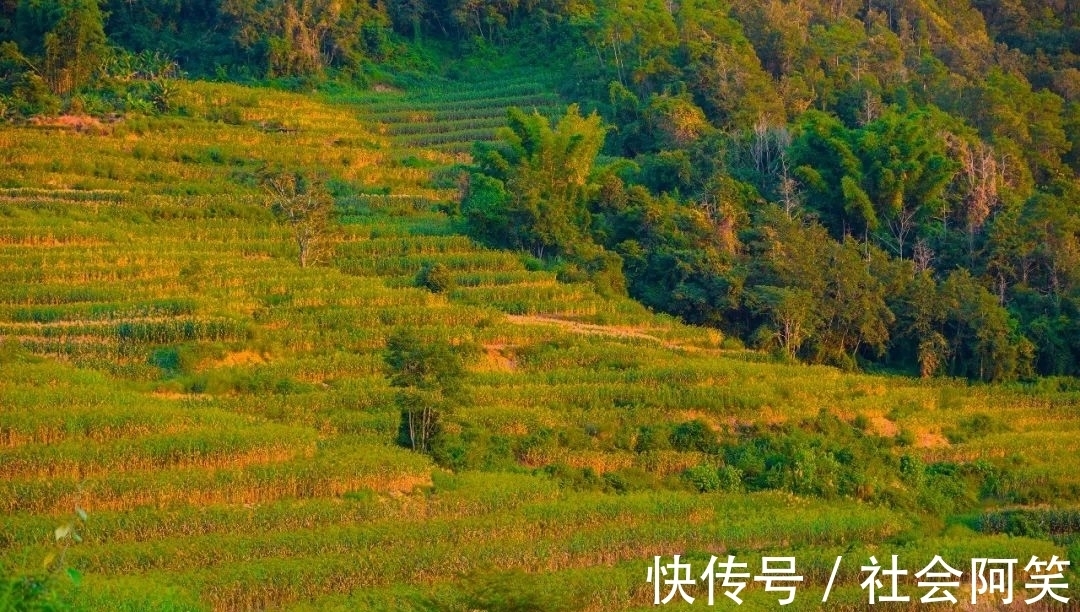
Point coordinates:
pixel 408 129
pixel 327 474
pixel 364 204
pixel 545 107
pixel 494 87
pixel 467 495
pixel 565 520
pixel 409 245
pixel 194 448
pixel 285 580
pixel 378 109
pixel 153 331
pixel 460 136
pixel 501 278
pixel 472 261
pixel 169 307
pixel 75 195
pixel 57 416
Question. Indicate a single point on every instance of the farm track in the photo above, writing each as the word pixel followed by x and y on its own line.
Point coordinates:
pixel 611 331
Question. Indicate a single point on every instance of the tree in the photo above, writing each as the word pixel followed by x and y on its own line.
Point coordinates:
pixel 435 277
pixel 791 314
pixel 531 191
pixel 303 37
pixel 429 376
pixel 306 207
pixel 815 295
pixel 984 343
pixel 75 48
pixel 906 170
pixel 548 186
pixel 825 156
pixel 920 315
pixel 57 46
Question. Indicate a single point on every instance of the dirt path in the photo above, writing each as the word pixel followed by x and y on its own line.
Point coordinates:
pixel 611 331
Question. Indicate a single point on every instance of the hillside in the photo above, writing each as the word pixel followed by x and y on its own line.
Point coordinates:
pixel 225 419
pixel 465 305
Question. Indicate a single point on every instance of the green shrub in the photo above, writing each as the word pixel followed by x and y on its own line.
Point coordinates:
pixel 435 277
pixel 652 438
pixel 976 426
pixel 731 478
pixel 694 435
pixel 704 478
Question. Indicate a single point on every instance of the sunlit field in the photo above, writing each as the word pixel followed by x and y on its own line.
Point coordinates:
pixel 224 419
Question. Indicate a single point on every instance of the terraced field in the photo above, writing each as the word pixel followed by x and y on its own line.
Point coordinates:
pixel 451 117
pixel 224 418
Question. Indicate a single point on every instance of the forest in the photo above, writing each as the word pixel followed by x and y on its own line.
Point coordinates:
pixel 884 184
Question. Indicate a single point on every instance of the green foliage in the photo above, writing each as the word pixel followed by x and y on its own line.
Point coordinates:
pixel 826 457
pixel 28 593
pixel 514 591
pixel 652 438
pixel 975 426
pixel 694 436
pixel 172 360
pixel 704 478
pixel 435 277
pixel 1033 523
pixel 534 194
pixel 39 590
pixel 532 191
pixel 305 205
pixel 816 297
pixel 430 377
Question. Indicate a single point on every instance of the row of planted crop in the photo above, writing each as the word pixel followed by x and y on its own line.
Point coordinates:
pixel 194 281
pixel 353 330
pixel 497 86
pixel 423 128
pixel 468 136
pixel 104 244
pixel 614 582
pixel 161 307
pixel 329 473
pixel 471 261
pixel 545 107
pixel 462 495
pixel 207 448
pixel 36 410
pixel 406 245
pixel 159 330
pixel 379 110
pixel 233 571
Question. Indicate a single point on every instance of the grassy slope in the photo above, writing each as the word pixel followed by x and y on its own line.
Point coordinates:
pixel 277 483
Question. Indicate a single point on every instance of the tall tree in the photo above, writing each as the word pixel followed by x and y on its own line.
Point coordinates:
pixel 906 169
pixel 532 190
pixel 74 48
pixel 306 207
pixel 429 376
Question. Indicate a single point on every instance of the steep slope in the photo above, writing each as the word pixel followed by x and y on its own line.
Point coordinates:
pixel 223 416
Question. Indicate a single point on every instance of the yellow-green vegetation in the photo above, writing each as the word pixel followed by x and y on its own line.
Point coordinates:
pixel 225 417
